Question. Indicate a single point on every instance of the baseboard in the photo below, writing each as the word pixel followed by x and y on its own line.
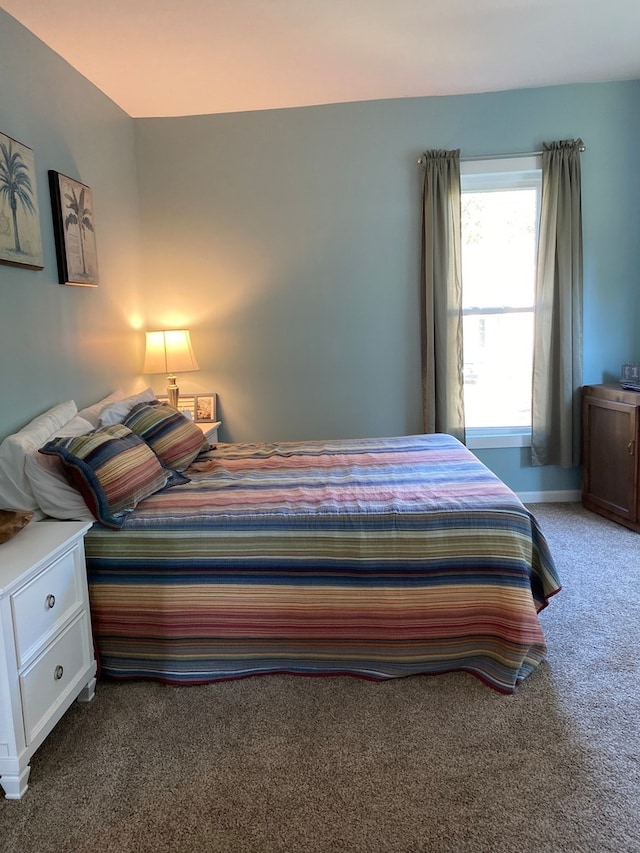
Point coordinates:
pixel 567 496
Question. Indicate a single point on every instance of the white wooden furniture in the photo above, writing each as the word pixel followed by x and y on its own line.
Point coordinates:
pixel 46 648
pixel 210 430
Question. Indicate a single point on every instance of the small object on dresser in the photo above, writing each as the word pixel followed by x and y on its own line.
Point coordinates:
pixel 630 376
pixel 12 521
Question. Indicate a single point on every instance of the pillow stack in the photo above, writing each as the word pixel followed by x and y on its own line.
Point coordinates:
pixel 112 468
pixel 100 462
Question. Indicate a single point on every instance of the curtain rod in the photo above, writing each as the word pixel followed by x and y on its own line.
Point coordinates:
pixel 473 157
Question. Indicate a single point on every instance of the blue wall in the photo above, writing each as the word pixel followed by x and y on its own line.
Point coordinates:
pixel 60 342
pixel 293 238
pixel 288 240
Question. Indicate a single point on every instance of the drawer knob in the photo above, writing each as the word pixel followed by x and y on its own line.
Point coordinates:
pixel 51 600
pixel 57 673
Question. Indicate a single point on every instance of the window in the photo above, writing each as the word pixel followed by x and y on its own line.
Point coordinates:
pixel 500 213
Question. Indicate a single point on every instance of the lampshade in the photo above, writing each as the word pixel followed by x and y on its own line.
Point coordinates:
pixel 169 352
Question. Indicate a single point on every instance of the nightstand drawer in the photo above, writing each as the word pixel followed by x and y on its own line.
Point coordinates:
pixel 46 684
pixel 44 604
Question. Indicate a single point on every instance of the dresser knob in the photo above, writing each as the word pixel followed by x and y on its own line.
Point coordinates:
pixel 57 673
pixel 51 600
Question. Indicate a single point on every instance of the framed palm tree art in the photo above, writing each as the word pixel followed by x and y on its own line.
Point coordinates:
pixel 20 237
pixel 74 230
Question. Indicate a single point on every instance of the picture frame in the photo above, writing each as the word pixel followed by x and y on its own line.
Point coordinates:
pixel 74 230
pixel 200 408
pixel 20 234
pixel 205 408
pixel 630 372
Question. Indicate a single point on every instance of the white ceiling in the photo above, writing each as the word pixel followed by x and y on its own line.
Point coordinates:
pixel 187 57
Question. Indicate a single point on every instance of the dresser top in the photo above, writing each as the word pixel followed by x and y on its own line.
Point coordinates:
pixel 612 392
pixel 35 545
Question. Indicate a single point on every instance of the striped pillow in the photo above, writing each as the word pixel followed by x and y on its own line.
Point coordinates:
pixel 173 438
pixel 112 468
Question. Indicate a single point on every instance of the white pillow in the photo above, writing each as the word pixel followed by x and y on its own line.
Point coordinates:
pixel 115 413
pixel 92 412
pixel 15 490
pixel 56 497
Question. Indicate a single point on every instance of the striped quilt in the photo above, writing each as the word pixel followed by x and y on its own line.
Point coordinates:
pixel 372 557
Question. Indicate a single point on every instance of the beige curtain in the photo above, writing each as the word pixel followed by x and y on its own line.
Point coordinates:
pixel 442 355
pixel 557 356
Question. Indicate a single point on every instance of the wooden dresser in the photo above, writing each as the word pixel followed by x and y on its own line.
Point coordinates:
pixel 610 453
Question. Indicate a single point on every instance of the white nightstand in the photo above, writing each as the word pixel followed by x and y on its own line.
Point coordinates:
pixel 210 430
pixel 46 647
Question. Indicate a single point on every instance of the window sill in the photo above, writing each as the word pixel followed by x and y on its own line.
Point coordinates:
pixel 477 439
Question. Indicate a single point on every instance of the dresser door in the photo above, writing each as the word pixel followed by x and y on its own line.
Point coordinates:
pixel 610 467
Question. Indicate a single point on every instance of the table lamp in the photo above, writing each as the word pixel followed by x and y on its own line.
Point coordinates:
pixel 169 352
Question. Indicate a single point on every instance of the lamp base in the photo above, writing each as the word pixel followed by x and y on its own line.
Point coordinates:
pixel 173 392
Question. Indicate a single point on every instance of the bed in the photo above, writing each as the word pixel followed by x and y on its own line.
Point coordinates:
pixel 375 558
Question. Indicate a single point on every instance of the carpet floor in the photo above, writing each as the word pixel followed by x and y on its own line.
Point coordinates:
pixel 317 765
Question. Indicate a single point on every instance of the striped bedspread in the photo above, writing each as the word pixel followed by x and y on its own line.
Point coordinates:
pixel 377 558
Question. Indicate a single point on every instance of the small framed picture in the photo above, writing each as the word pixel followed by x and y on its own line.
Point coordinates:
pixel 74 230
pixel 631 371
pixel 199 407
pixel 205 407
